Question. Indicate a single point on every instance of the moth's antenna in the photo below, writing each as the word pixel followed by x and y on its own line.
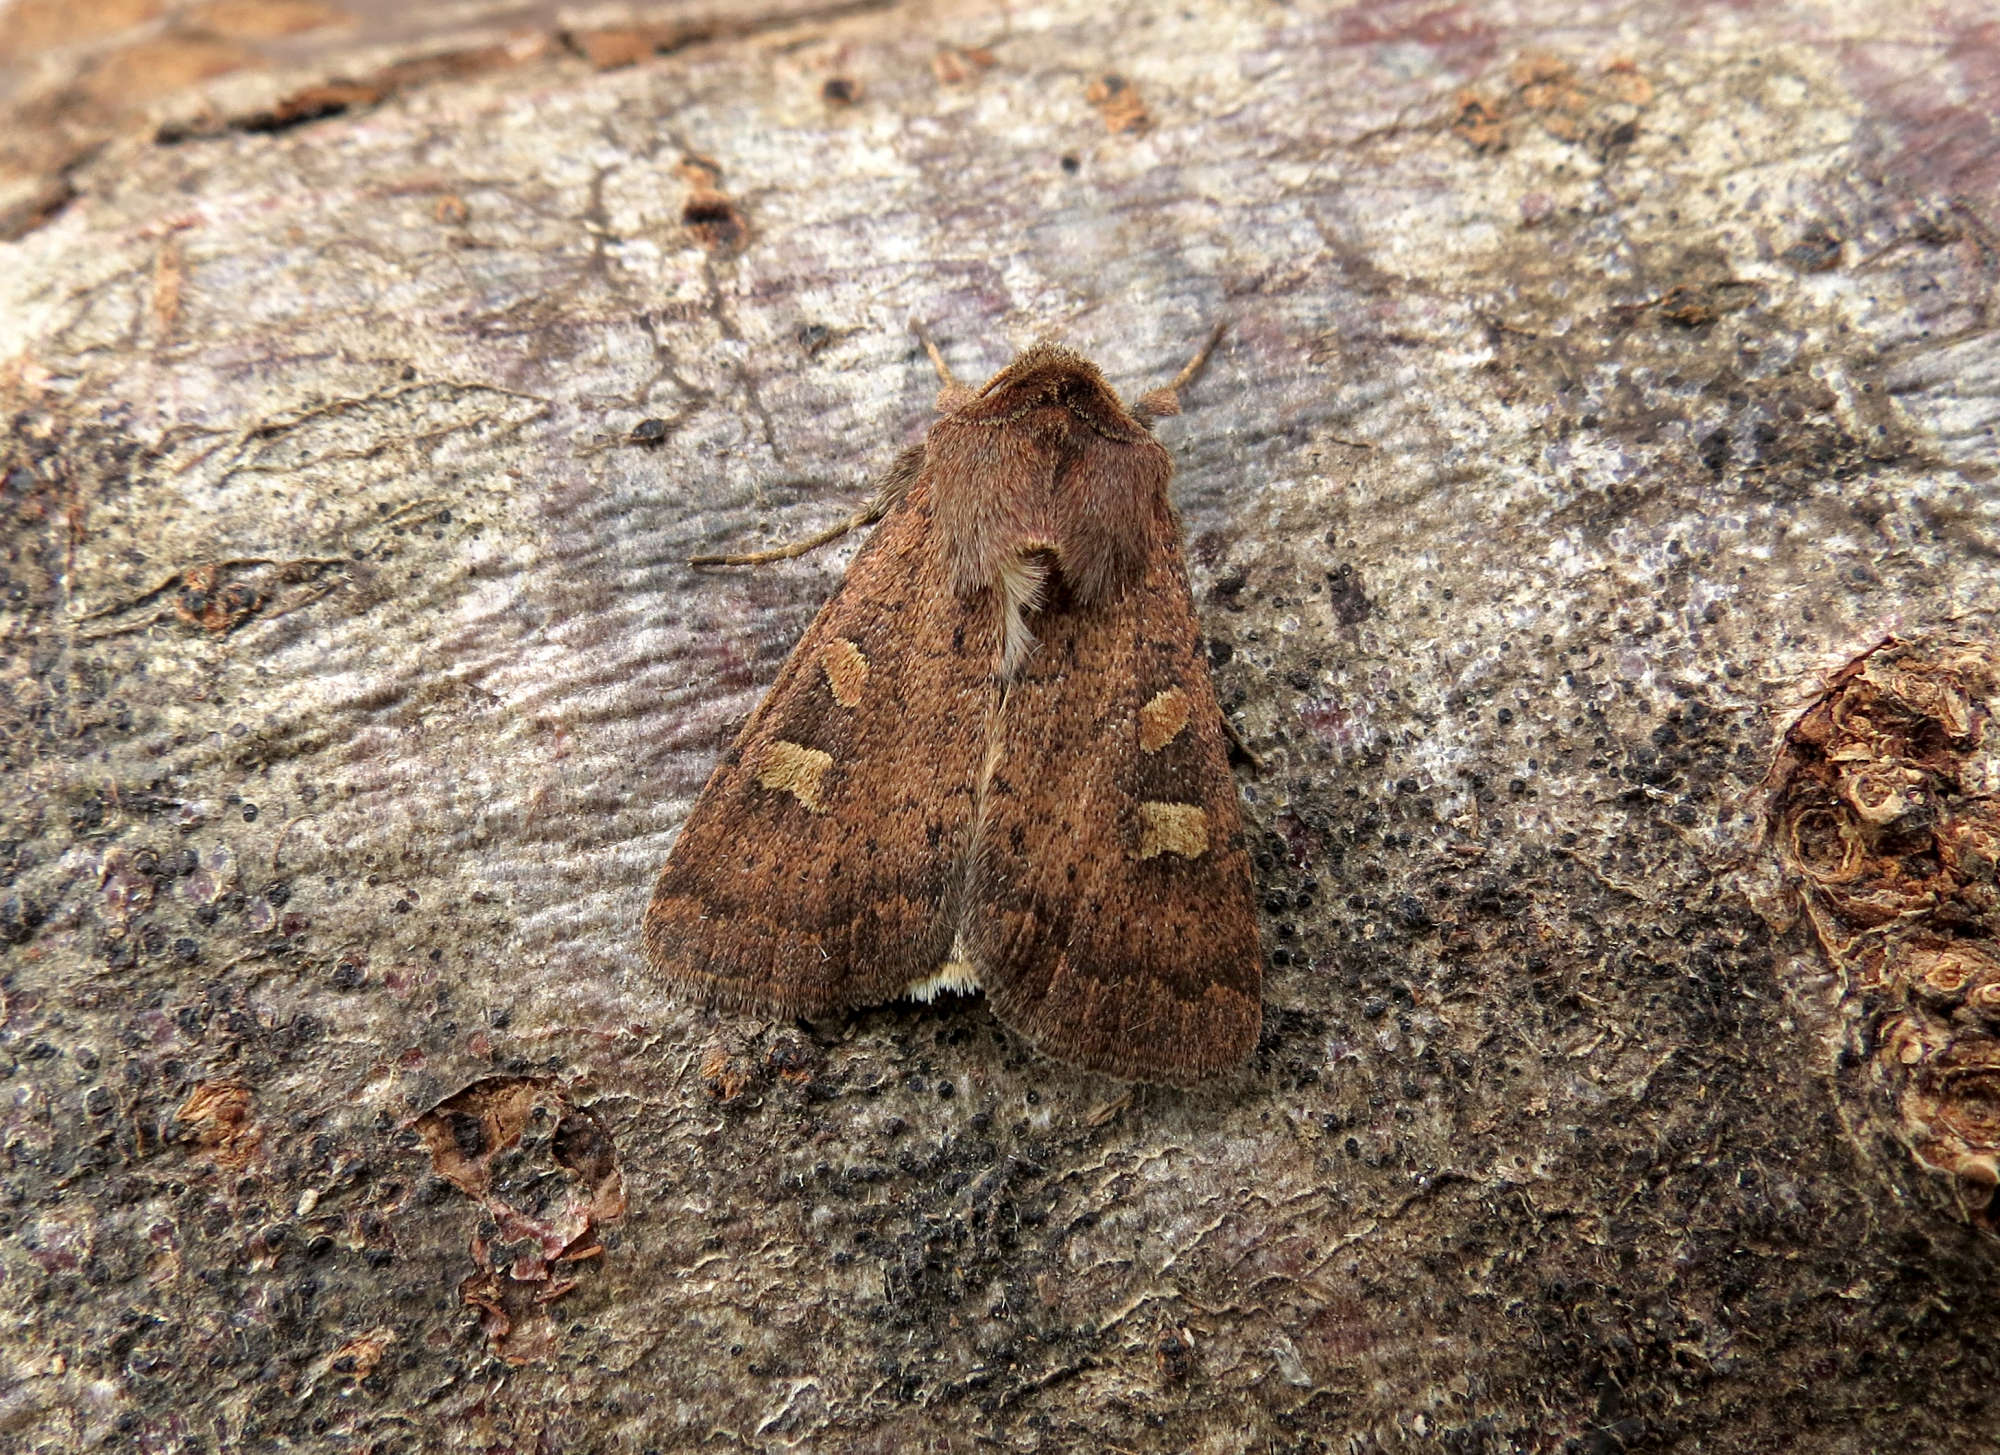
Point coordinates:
pixel 1165 400
pixel 954 395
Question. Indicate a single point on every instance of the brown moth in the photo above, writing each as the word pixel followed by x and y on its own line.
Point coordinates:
pixel 994 761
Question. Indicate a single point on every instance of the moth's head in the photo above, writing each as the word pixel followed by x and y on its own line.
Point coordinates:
pixel 1047 374
pixel 1044 358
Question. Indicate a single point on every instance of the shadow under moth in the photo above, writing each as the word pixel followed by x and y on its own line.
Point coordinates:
pixel 995 760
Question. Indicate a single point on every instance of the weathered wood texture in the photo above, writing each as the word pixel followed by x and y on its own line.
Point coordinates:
pixel 1600 380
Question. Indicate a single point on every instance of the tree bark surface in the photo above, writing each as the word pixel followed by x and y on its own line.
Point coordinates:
pixel 1593 517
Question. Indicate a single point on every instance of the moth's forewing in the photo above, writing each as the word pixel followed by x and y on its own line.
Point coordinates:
pixel 1110 912
pixel 823 864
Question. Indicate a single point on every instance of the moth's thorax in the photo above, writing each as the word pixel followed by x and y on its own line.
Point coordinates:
pixel 1044 474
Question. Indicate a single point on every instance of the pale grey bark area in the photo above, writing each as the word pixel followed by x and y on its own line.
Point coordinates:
pixel 1568 434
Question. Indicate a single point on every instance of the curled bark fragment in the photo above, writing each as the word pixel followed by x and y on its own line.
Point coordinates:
pixel 546 1177
pixel 1890 847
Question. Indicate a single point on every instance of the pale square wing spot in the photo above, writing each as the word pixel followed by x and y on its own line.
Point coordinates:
pixel 798 771
pixel 846 671
pixel 1172 828
pixel 1163 719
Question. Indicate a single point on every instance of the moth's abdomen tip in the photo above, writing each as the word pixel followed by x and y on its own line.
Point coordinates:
pixel 955 977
